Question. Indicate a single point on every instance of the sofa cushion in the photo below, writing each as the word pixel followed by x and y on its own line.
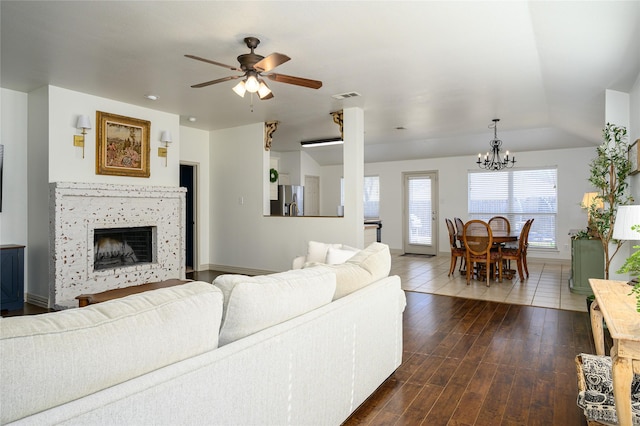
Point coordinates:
pixel 364 267
pixel 375 258
pixel 255 303
pixel 336 256
pixel 54 358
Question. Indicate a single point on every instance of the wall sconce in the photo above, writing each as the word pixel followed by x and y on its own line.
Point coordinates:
pixel 165 137
pixel 84 123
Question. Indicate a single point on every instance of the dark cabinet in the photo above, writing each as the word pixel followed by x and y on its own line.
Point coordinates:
pixel 11 276
pixel 587 261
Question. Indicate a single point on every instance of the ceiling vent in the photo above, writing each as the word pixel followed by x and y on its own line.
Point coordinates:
pixel 346 95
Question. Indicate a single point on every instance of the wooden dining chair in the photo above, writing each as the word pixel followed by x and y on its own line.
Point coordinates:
pixel 517 254
pixel 459 227
pixel 526 246
pixel 478 240
pixel 459 231
pixel 456 251
pixel 500 223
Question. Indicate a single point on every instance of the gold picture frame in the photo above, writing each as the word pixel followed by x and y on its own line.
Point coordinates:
pixel 122 145
pixel 633 157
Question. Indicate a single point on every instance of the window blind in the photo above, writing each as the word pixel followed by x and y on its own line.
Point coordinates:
pixel 518 195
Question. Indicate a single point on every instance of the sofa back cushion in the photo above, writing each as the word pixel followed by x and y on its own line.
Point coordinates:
pixel 54 358
pixel 364 267
pixel 255 303
pixel 376 259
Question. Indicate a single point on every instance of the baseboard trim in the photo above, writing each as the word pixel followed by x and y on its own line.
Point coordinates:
pixel 34 299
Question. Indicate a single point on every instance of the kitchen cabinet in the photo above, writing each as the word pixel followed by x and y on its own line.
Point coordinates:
pixel 587 261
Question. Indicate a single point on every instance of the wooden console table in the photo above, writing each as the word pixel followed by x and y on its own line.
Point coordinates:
pixel 618 308
pixel 89 299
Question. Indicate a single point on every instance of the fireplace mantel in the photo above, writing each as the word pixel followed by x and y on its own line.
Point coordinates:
pixel 77 209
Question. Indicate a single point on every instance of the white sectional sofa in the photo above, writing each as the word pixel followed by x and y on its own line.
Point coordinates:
pixel 280 349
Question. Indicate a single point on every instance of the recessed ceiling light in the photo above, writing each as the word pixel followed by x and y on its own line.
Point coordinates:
pixel 151 97
pixel 192 119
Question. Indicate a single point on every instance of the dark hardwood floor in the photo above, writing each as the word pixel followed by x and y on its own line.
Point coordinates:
pixel 472 362
pixel 27 309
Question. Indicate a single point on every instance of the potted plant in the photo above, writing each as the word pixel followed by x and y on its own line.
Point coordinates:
pixel 632 266
pixel 608 173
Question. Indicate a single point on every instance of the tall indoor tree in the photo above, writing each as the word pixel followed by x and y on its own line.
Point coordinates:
pixel 608 173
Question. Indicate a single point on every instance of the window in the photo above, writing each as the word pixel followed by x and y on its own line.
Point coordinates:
pixel 519 195
pixel 371 196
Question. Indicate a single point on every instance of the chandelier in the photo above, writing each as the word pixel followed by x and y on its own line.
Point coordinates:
pixel 493 160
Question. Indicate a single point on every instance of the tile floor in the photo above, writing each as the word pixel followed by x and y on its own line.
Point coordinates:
pixel 547 285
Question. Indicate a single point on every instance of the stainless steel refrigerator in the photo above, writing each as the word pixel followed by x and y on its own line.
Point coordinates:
pixel 290 201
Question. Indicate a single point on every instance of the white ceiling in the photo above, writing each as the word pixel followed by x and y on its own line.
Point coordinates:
pixel 440 69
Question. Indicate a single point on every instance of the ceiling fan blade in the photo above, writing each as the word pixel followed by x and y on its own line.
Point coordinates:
pixel 219 80
pixel 209 61
pixel 270 62
pixel 298 81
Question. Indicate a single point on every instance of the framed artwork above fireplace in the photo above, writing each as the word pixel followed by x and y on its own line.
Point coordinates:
pixel 122 145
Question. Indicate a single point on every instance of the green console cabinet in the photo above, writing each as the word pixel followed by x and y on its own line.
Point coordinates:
pixel 587 261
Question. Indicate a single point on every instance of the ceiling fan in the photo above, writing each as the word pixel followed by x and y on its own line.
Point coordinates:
pixel 253 66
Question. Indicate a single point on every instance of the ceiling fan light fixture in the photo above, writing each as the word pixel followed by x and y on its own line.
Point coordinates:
pixel 240 89
pixel 263 90
pixel 252 84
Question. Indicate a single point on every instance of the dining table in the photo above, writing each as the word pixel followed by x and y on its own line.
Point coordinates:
pixel 500 238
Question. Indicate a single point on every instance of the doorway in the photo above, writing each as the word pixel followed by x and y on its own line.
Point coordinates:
pixel 420 213
pixel 311 195
pixel 188 181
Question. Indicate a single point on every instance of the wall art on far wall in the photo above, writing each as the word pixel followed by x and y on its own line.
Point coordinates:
pixel 122 145
pixel 633 157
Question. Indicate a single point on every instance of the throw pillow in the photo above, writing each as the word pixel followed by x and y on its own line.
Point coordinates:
pixel 317 252
pixel 337 256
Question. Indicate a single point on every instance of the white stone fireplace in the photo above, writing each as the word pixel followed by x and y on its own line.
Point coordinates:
pixel 77 210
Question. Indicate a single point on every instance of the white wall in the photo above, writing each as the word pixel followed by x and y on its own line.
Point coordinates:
pixel 241 236
pixel 13 135
pixel 37 252
pixel 573 172
pixel 634 132
pixel 65 160
pixel 290 165
pixel 194 150
pixel 330 189
pixel 623 109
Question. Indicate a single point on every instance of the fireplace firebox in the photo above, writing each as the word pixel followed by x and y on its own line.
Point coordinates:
pixel 118 247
